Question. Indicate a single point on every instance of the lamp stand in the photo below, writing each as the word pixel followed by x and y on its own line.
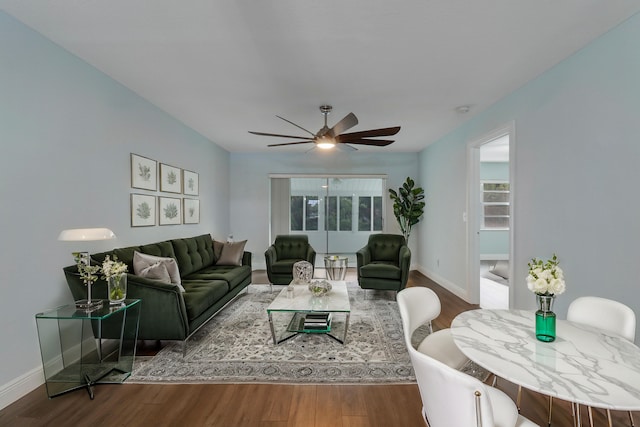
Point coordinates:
pixel 86 304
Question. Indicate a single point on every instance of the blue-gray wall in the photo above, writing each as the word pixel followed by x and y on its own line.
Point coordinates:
pixel 577 147
pixel 66 133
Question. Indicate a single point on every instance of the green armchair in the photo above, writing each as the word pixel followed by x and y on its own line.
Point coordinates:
pixel 383 264
pixel 286 251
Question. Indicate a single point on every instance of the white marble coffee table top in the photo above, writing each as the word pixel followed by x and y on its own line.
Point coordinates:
pixel 337 300
pixel 583 365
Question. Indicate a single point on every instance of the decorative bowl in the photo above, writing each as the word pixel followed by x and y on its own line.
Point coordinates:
pixel 319 287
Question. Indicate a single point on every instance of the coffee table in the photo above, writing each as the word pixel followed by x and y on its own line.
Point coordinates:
pixel 299 302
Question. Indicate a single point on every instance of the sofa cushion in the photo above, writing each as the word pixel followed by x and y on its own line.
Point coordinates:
pixel 284 266
pixel 382 270
pixel 233 275
pixel 292 247
pixel 193 253
pixel 200 295
pixel 231 253
pixel 150 266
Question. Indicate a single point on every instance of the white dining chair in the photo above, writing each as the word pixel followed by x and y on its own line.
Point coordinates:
pixel 453 398
pixel 605 314
pixel 419 306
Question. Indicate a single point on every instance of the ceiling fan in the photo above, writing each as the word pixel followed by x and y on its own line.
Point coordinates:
pixel 327 138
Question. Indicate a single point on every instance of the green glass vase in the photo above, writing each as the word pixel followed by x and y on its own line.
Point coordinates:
pixel 545 319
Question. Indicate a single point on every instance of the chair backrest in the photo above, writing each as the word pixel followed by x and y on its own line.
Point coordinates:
pixel 417 306
pixel 385 247
pixel 450 397
pixel 293 246
pixel 602 313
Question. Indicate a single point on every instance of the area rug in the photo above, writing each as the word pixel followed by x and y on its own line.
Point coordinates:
pixel 237 346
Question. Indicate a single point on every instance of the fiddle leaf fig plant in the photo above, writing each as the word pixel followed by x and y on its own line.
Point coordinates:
pixel 408 206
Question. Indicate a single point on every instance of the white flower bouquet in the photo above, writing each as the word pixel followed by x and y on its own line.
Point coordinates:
pixel 113 267
pixel 545 277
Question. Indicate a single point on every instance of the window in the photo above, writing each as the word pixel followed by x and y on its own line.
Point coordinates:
pixel 370 213
pixel 304 213
pixel 495 205
pixel 346 212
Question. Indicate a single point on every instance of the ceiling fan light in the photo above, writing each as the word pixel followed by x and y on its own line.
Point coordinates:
pixel 326 145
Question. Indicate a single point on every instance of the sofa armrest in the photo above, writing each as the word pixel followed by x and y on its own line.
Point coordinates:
pixel 363 256
pixel 311 256
pixel 246 258
pixel 405 265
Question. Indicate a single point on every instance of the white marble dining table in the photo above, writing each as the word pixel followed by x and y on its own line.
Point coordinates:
pixel 584 365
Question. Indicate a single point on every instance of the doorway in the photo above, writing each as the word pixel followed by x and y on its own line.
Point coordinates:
pixel 490 220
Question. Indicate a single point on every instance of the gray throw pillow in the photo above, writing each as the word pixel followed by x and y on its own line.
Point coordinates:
pixel 501 269
pixel 231 253
pixel 142 262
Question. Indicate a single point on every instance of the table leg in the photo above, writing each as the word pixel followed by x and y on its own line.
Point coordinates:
pixel 273 332
pixel 346 327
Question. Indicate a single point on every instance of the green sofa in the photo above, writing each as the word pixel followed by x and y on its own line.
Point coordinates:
pixel 167 313
pixel 383 264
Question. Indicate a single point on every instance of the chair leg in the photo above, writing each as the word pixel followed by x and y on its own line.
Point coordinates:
pixel 590 411
pixel 550 409
pixel 519 398
pixel 631 419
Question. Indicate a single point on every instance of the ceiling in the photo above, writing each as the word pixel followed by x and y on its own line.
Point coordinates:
pixel 224 67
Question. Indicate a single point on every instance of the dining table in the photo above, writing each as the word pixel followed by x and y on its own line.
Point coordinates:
pixel 583 365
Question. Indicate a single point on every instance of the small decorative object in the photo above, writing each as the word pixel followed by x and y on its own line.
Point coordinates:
pixel 319 288
pixel 546 279
pixel 115 273
pixel 302 272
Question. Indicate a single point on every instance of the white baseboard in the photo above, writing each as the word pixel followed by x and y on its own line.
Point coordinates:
pixel 448 285
pixel 21 386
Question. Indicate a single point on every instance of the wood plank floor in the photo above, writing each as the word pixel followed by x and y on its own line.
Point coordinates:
pixel 263 405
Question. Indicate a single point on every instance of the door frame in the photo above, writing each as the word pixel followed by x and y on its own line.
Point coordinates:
pixel 473 212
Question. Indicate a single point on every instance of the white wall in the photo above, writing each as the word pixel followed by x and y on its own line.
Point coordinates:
pixel 66 133
pixel 577 148
pixel 250 186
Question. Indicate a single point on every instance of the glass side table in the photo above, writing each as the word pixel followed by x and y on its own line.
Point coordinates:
pixel 82 348
pixel 336 267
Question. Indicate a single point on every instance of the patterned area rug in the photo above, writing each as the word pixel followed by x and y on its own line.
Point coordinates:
pixel 237 346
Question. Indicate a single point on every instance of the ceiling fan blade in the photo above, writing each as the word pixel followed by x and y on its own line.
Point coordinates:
pixel 278 135
pixel 289 143
pixel 368 133
pixel 349 121
pixel 346 147
pixel 299 127
pixel 376 142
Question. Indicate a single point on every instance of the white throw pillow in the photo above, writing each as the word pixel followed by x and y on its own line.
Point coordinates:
pixel 158 268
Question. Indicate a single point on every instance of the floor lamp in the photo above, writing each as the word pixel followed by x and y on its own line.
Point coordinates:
pixel 83 259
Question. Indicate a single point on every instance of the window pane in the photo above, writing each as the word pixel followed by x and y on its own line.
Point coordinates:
pixel 495 186
pixel 495 197
pixel 297 203
pixel 499 210
pixel 346 214
pixel 332 213
pixel 364 214
pixel 377 213
pixel 311 223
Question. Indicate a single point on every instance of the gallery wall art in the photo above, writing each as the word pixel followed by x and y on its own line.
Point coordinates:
pixel 152 208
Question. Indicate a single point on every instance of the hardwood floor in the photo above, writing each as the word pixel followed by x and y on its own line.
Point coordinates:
pixel 264 405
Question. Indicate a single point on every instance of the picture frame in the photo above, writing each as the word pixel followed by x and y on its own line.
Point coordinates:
pixel 169 211
pixel 144 173
pixel 170 179
pixel 190 183
pixel 143 210
pixel 191 211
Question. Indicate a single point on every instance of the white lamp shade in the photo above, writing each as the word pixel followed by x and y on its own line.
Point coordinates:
pixel 79 234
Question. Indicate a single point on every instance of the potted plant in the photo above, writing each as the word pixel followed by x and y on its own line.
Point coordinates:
pixel 408 206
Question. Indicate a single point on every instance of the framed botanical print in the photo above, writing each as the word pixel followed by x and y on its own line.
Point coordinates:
pixel 169 211
pixel 191 211
pixel 143 210
pixel 170 179
pixel 190 183
pixel 144 173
